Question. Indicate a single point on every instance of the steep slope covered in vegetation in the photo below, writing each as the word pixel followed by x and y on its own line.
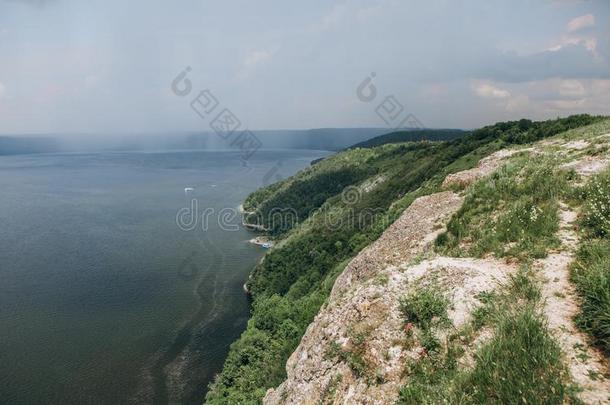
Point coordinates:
pixel 324 216
pixel 412 136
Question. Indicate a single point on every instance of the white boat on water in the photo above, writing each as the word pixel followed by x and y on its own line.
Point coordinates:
pixel 188 190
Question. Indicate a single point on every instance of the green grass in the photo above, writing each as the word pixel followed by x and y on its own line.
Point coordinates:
pixel 591 271
pixel 295 278
pixel 520 364
pixel 591 275
pixel 352 357
pixel 513 212
pixel 425 307
pixel 353 354
pixel 599 127
pixel 432 379
pixel 522 287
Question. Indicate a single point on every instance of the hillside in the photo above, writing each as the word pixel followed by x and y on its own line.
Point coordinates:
pixel 412 271
pixel 412 136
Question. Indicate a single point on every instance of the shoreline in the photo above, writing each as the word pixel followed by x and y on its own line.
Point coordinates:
pixel 262 241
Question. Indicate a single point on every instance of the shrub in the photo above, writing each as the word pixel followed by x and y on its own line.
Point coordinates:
pixel 425 307
pixel 597 208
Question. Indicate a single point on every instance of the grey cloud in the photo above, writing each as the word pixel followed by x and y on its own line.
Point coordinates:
pixel 106 65
pixel 571 61
pixel 34 3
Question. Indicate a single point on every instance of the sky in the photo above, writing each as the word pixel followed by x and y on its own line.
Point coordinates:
pixel 107 66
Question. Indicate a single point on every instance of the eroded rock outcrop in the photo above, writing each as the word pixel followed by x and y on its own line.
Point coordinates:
pixel 407 237
pixel 485 167
pixel 353 352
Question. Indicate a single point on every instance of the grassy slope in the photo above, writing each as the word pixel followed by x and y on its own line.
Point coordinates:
pixel 591 271
pixel 506 217
pixel 513 213
pixel 412 136
pixel 520 364
pixel 295 278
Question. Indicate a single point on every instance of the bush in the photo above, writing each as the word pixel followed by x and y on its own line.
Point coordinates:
pixel 597 208
pixel 425 307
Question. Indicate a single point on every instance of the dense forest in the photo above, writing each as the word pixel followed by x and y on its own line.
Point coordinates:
pixel 319 226
pixel 412 136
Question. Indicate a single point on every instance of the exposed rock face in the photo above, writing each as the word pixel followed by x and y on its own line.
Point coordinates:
pixel 403 240
pixel 579 144
pixel 363 317
pixel 372 310
pixel 589 165
pixel 354 353
pixel 485 167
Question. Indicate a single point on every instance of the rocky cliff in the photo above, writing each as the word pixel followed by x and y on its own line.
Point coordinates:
pixel 362 346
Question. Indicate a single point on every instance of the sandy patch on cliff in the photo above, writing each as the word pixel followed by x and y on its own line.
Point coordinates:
pixel 576 145
pixel 588 166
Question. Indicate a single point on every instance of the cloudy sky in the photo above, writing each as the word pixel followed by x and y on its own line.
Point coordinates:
pixel 107 65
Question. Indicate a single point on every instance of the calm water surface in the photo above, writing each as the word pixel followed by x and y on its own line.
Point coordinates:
pixel 103 299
